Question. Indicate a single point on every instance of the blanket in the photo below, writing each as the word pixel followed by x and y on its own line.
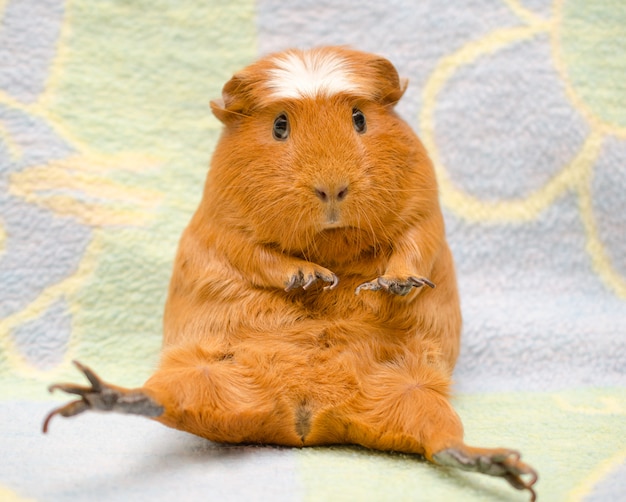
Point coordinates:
pixel 105 138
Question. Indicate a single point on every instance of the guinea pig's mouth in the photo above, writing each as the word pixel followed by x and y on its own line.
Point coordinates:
pixel 336 228
pixel 331 225
pixel 332 219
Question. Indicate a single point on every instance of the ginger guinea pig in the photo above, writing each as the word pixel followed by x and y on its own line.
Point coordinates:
pixel 302 308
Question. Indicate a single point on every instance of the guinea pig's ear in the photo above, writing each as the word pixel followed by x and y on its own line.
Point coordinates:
pixel 232 106
pixel 390 87
pixel 219 109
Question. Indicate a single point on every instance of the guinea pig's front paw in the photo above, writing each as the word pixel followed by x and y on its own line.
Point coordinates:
pixel 305 277
pixel 395 285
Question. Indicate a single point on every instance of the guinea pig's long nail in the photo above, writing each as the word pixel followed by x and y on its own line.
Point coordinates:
pixel 333 284
pixel 310 281
pixel 421 281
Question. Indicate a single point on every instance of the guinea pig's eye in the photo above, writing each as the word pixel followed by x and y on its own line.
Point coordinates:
pixel 281 128
pixel 358 120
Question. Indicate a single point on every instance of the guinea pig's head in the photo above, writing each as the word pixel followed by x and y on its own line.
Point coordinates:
pixel 312 151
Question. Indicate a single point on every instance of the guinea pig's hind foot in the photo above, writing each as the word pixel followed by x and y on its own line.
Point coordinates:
pixel 494 462
pixel 103 397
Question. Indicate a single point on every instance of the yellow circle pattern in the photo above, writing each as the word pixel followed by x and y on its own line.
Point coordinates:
pixel 576 176
pixel 592 42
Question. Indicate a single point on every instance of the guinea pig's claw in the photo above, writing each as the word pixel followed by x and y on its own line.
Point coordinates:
pixel 333 283
pixel 293 283
pixel 396 286
pixel 300 280
pixel 371 285
pixel 418 282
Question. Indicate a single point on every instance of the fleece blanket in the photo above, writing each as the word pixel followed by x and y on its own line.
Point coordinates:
pixel 105 138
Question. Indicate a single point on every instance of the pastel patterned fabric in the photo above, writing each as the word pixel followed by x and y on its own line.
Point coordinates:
pixel 105 138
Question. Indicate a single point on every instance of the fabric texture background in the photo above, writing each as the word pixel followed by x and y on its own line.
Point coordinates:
pixel 105 138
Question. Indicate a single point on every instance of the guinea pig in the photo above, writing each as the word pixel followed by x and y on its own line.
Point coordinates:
pixel 313 299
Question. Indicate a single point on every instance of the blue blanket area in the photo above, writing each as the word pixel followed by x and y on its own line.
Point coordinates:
pixel 105 137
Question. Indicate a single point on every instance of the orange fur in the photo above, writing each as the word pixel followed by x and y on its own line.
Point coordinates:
pixel 243 359
pixel 260 222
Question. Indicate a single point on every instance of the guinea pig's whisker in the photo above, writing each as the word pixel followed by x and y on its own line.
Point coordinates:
pixel 370 227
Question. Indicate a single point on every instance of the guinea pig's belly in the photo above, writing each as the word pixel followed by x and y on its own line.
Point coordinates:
pixel 317 362
pixel 310 364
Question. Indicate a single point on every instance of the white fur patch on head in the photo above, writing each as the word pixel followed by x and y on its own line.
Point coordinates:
pixel 310 74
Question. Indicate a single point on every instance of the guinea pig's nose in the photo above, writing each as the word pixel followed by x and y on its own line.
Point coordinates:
pixel 328 194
